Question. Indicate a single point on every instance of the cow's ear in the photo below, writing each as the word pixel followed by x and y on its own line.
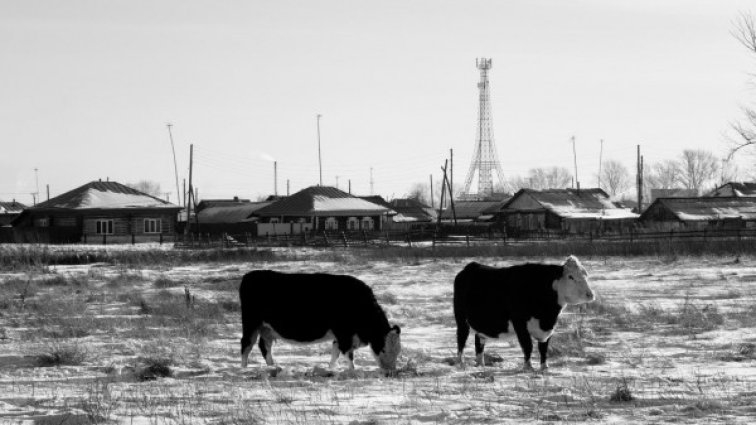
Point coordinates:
pixel 397 329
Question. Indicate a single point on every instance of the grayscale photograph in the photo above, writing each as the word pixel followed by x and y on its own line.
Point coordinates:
pixel 363 212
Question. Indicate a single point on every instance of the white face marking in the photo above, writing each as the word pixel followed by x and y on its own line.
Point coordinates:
pixel 572 287
pixel 534 328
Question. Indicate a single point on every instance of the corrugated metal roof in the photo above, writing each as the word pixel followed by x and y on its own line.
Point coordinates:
pixel 592 203
pixel 469 209
pixel 104 195
pixel 735 189
pixel 321 200
pixel 709 208
pixel 12 207
pixel 411 210
pixel 238 213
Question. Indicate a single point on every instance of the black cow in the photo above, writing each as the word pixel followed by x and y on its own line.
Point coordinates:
pixel 303 308
pixel 530 296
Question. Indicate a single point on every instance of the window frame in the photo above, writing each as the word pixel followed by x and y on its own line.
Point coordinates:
pixel 107 223
pixel 152 226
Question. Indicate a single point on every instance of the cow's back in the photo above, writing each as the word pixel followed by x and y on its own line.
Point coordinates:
pixel 492 296
pixel 303 306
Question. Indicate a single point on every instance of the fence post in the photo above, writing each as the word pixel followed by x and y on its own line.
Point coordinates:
pixel 104 239
pixel 364 237
pixel 343 238
pixel 467 239
pixel 325 236
pixel 133 239
pixel 161 238
pixel 388 241
pixel 434 240
pixel 409 240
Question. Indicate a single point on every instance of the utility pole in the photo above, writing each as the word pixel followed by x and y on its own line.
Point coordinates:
pixel 287 187
pixel 191 189
pixel 431 190
pixel 601 154
pixel 275 178
pixel 175 167
pixel 36 179
pixel 184 193
pixel 639 179
pixel 48 192
pixel 320 162
pixel 451 174
pixel 350 186
pixel 574 157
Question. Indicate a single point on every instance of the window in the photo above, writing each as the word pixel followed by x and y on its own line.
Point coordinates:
pixel 353 223
pixel 331 223
pixel 152 225
pixel 367 223
pixel 104 227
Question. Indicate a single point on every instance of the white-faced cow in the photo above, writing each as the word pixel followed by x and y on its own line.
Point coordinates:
pixel 530 296
pixel 304 308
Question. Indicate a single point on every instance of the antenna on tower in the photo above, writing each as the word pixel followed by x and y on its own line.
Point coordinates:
pixel 485 159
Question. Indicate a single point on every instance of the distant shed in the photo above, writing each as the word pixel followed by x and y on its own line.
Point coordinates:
pixel 701 213
pixel 735 189
pixel 233 219
pixel 565 210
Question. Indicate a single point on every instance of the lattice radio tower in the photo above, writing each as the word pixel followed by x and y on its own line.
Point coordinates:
pixel 485 159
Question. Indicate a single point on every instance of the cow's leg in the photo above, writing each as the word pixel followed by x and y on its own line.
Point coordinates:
pixel 335 352
pixel 266 346
pixel 463 331
pixel 543 348
pixel 247 342
pixel 480 345
pixel 526 343
pixel 346 347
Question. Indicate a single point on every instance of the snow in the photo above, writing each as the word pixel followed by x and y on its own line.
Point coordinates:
pixel 674 375
pixel 327 204
pixel 94 198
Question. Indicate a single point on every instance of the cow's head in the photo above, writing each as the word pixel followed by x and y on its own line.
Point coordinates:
pixel 391 347
pixel 572 287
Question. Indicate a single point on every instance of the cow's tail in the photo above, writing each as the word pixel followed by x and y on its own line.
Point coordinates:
pixel 250 321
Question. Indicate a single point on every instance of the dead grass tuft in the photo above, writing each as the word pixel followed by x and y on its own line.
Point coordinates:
pixel 62 355
pixel 622 393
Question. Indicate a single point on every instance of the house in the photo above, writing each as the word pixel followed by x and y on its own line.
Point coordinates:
pixel 9 211
pixel 700 213
pixel 470 211
pixel 735 189
pixel 565 211
pixel 411 211
pixel 320 208
pixel 98 212
pixel 231 218
pixel 670 193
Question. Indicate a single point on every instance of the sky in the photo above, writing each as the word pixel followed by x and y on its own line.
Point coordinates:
pixel 88 86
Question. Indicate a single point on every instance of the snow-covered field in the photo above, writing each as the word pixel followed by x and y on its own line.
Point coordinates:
pixel 667 341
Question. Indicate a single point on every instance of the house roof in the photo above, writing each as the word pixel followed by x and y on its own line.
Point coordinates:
pixel 237 213
pixel 735 189
pixel 591 203
pixel 12 207
pixel 707 208
pixel 320 201
pixel 411 210
pixel 103 195
pixel 469 209
pixel 207 203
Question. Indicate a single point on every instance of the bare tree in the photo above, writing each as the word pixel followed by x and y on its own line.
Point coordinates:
pixel 421 192
pixel 615 178
pixel 698 167
pixel 147 186
pixel 549 178
pixel 664 175
pixel 745 33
